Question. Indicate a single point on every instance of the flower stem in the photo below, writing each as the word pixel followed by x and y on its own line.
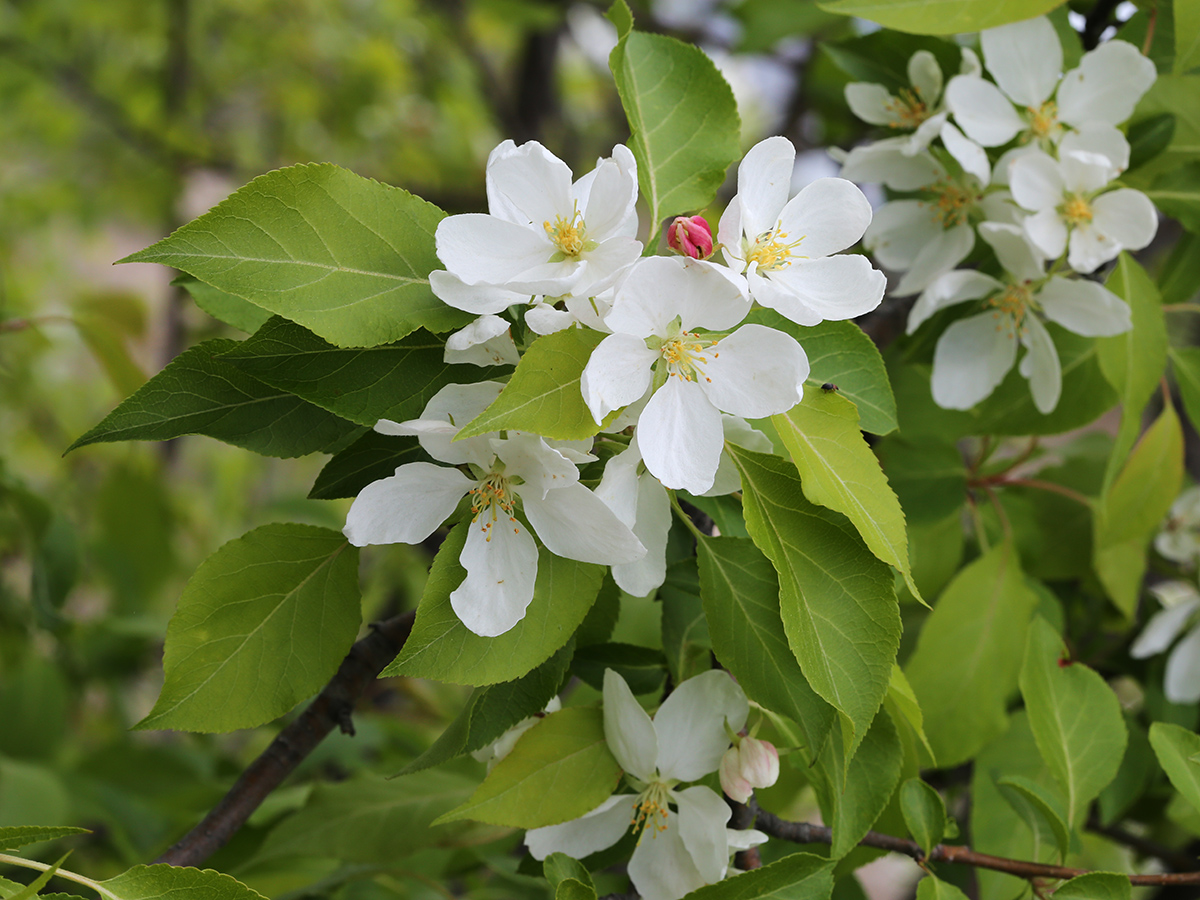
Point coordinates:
pixel 685 518
pixel 61 873
pixel 1181 307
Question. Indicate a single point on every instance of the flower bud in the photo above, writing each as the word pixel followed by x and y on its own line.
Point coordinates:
pixel 690 236
pixel 750 764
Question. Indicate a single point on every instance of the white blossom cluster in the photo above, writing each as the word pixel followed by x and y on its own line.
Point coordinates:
pixel 1029 160
pixel 675 376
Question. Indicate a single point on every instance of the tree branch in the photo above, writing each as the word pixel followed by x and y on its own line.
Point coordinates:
pixel 333 707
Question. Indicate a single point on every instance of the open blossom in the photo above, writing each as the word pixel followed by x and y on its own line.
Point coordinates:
pixel 1181 604
pixel 683 842
pixel 485 342
pixel 500 555
pixel 1179 539
pixel 655 347
pixel 974 354
pixel 543 235
pixel 783 247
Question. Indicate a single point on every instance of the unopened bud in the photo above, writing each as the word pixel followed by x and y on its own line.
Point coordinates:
pixel 749 765
pixel 690 236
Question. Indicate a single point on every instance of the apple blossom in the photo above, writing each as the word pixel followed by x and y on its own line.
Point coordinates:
pixel 1179 539
pixel 690 236
pixel 485 342
pixel 1181 603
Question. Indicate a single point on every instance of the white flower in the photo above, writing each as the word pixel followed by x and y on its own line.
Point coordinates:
pixel 783 246
pixel 1073 212
pixel 1180 538
pixel 500 555
pixel 1180 600
pixel 544 235
pixel 498 749
pixel 748 764
pixel 915 109
pixel 754 372
pixel 485 342
pixel 974 354
pixel 680 849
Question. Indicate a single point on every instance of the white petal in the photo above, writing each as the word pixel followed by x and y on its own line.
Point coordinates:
pixel 528 184
pixel 455 405
pixel 653 523
pixel 954 287
pixel 982 111
pixel 1048 232
pixel 970 64
pixel 920 139
pixel 661 867
pixel 778 296
pixel 604 264
pixel 618 487
pixel 609 206
pixel 971 156
pixel 1025 58
pixel 627 729
pixel 485 342
pixel 574 523
pixel 1089 248
pixel 1084 171
pixel 597 830
pixel 405 507
pixel 702 818
pixel 652 293
pixel 1098 137
pixel 737 431
pixel 999 207
pixel 755 372
pixel 885 161
pixel 1016 252
pixel 899 231
pixel 617 374
pixel 729 235
pixel 1181 682
pixel 1003 167
pixel 925 75
pixel 1106 86
pixel 480 299
pixel 1162 629
pixel 833 287
pixel 764 179
pixel 540 466
pixel 501 560
pixel 691 724
pixel 870 102
pixel 1084 307
pixel 484 249
pixel 1127 216
pixel 680 435
pixel 1036 182
pixel 1040 366
pixel 542 318
pixel 940 255
pixel 829 215
pixel 716 297
pixel 972 357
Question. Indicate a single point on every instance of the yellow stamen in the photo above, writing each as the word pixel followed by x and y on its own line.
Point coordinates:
pixel 683 356
pixel 650 811
pixel 771 250
pixel 1076 210
pixel 493 491
pixel 568 235
pixel 1043 121
pixel 951 203
pixel 1011 306
pixel 908 110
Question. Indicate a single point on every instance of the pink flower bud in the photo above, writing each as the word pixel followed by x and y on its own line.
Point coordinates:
pixel 690 236
pixel 751 764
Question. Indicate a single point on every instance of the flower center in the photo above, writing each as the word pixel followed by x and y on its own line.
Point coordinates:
pixel 1010 306
pixel 1043 121
pixel 684 356
pixel 569 236
pixel 771 250
pixel 951 202
pixel 1076 210
pixel 650 811
pixel 493 491
pixel 907 110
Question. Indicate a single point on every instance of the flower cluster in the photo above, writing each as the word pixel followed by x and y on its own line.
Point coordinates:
pixel 1029 161
pixel 675 376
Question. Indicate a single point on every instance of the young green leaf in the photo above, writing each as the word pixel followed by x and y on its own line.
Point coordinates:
pixel 1187 37
pixel 158 882
pixel 902 703
pixel 933 888
pixel 1095 886
pixel 942 17
pixel 1176 749
pixel 569 878
pixel 262 624
pixel 13 837
pixel 924 813
pixel 1041 809
pixel 798 876
pixel 32 889
pixel 560 769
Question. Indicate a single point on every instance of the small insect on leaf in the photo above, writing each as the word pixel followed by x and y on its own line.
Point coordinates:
pixel 829 387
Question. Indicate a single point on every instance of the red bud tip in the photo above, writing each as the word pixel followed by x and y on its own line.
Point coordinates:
pixel 690 236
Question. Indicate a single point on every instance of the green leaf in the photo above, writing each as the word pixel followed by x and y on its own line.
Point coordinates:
pixel 262 624
pixel 199 393
pixel 940 16
pixel 882 57
pixel 798 876
pixel 1133 362
pixel 643 668
pixel 346 257
pixel 32 889
pixel 1177 193
pixel 560 769
pixel 1185 364
pixel 930 478
pixel 569 878
pixel 1042 810
pixel 1176 749
pixel 1179 277
pixel 1095 886
pixel 162 881
pixel 492 710
pixel 837 601
pixel 364 385
pixel 902 703
pixel 968 655
pixel 1149 137
pixel 1075 718
pixel 621 17
pixel 13 837
pixel 241 314
pixel 1138 771
pixel 440 646
pixel 370 458
pixel 839 471
pixel 686 641
pixel 543 395
pixel 1187 36
pixel 924 813
pixel 933 888
pixel 741 602
pixel 683 122
pixel 1128 515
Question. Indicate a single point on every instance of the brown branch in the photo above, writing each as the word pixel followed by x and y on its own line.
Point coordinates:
pixel 333 707
pixel 805 833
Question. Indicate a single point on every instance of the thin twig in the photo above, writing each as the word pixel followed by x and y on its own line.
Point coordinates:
pixel 331 709
pixel 1040 485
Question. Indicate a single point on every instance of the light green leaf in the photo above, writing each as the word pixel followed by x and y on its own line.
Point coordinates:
pixel 199 393
pixel 262 624
pixel 686 640
pixel 1185 364
pixel 741 602
pixel 902 703
pixel 241 314
pixel 1187 36
pixel 933 888
pixel 440 646
pixel 1133 362
pixel 1176 748
pixel 940 16
pixel 1179 276
pixel 683 122
pixel 837 601
pixel 839 471
pixel 364 385
pixel 1128 515
pixel 32 889
pixel 560 769
pixel 569 877
pixel 1138 771
pixel 161 881
pixel 1041 809
pixel 621 17
pixel 1095 886
pixel 346 257
pixel 543 395
pixel 13 837
pixel 798 876
pixel 924 813
pixel 968 655
pixel 1075 718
